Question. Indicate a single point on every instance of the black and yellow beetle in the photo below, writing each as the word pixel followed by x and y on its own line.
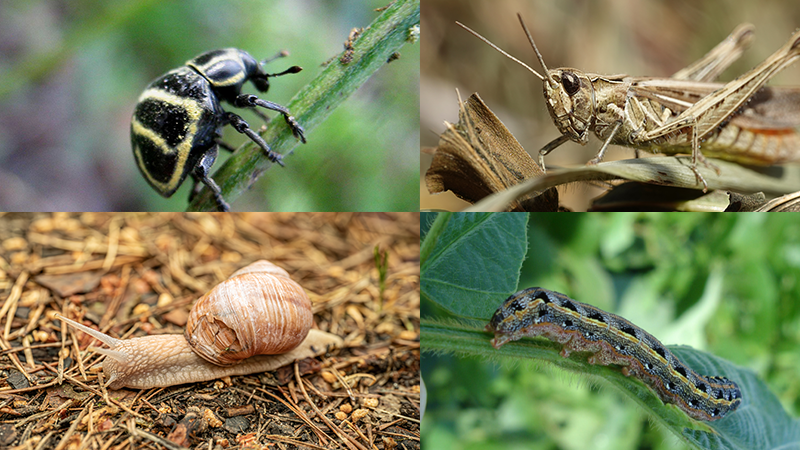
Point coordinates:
pixel 176 126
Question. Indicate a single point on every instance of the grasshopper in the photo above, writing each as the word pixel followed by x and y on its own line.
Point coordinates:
pixel 740 121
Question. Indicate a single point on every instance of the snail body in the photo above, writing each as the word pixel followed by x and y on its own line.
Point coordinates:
pixel 256 320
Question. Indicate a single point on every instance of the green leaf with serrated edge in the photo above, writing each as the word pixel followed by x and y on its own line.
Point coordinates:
pixel 471 262
pixel 759 423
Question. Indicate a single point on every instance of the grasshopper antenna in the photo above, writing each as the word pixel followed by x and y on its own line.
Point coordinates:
pixel 535 49
pixel 506 54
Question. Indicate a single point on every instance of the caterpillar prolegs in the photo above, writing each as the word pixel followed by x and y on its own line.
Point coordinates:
pixel 613 340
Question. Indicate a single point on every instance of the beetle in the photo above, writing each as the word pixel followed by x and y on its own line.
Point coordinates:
pixel 177 123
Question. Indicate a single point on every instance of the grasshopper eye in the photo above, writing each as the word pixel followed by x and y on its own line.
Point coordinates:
pixel 571 82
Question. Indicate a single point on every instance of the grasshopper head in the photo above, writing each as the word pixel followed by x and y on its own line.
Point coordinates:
pixel 569 92
pixel 570 99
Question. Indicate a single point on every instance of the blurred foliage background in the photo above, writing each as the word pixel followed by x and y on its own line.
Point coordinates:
pixel 640 38
pixel 72 71
pixel 651 269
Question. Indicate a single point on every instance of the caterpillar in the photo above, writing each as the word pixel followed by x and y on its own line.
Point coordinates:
pixel 613 340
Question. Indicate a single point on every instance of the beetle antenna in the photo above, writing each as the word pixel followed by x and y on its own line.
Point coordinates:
pixel 293 69
pixel 280 54
pixel 503 52
pixel 535 49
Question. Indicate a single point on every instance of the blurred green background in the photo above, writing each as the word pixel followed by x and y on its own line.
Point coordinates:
pixel 71 73
pixel 651 268
pixel 640 38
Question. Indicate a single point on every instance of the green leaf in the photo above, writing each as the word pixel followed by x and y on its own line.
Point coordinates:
pixel 470 262
pixel 759 423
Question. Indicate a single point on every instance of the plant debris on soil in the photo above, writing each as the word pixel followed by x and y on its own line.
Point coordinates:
pixel 139 274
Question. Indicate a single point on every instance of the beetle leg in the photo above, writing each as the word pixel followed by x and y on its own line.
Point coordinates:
pixel 225 146
pixel 250 101
pixel 263 116
pixel 242 127
pixel 201 173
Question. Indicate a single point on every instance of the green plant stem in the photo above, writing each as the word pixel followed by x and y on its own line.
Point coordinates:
pixel 370 51
pixel 468 338
pixel 381 263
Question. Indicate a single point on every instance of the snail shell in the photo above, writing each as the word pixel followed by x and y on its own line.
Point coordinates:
pixel 259 310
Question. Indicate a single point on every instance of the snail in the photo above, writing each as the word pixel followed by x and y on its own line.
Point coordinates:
pixel 257 320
